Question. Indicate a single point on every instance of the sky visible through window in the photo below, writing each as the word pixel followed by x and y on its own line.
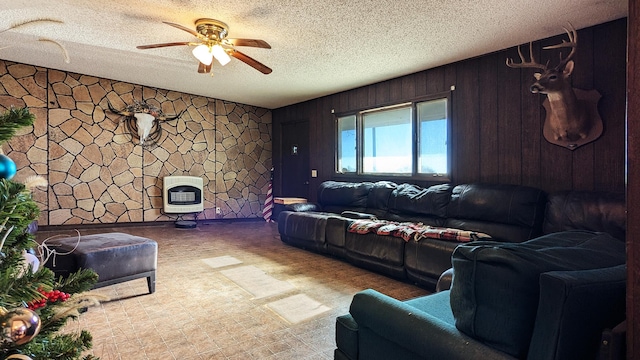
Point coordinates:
pixel 388 144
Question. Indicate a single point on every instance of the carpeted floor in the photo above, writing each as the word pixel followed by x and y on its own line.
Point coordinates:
pixel 227 290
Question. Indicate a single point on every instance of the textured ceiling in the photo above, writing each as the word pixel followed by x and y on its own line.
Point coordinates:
pixel 318 47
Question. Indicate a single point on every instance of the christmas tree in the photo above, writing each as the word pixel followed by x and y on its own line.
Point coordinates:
pixel 34 305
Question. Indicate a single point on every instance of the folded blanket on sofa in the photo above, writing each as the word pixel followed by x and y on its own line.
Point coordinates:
pixel 415 231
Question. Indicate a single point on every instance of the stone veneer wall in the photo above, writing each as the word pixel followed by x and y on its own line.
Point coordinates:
pixel 97 174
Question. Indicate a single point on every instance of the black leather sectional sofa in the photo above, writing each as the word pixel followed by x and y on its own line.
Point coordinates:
pixel 508 213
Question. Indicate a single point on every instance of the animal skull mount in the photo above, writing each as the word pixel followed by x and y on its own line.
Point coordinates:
pixel 143 122
pixel 572 117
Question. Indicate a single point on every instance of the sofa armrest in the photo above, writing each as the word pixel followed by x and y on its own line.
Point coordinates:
pixel 575 307
pixel 445 280
pixel 301 207
pixel 410 330
pixel 357 215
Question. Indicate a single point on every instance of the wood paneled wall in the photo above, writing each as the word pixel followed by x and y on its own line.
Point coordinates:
pixel 496 121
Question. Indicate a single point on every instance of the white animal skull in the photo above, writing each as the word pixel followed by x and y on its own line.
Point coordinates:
pixel 145 123
pixel 143 119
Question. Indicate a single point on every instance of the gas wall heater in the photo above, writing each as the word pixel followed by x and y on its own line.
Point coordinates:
pixel 182 194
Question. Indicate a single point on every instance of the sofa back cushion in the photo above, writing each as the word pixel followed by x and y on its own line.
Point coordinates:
pixel 409 199
pixel 495 290
pixel 510 213
pixel 379 194
pixel 337 196
pixel 586 210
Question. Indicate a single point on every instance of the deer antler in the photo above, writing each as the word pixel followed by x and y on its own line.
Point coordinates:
pixel 526 64
pixel 572 43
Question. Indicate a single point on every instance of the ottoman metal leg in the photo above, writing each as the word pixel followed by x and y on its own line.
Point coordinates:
pixel 151 282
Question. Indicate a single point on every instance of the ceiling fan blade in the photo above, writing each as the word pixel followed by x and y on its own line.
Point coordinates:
pixel 250 61
pixel 204 69
pixel 183 28
pixel 249 42
pixel 153 46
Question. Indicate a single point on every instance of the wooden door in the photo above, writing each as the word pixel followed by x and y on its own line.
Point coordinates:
pixel 295 159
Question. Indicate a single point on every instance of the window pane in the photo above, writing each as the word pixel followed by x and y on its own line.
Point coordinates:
pixel 346 144
pixel 432 119
pixel 387 141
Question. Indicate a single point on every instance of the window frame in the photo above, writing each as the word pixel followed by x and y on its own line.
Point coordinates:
pixel 415 175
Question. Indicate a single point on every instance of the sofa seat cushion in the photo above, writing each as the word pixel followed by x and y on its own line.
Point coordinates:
pixel 421 328
pixel 335 232
pixel 495 291
pixel 380 253
pixel 434 305
pixel 427 259
pixel 387 249
pixel 499 231
pixel 304 227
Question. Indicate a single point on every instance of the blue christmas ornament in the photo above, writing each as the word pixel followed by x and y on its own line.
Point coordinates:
pixel 7 167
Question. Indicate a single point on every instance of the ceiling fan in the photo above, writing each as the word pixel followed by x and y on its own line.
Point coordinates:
pixel 214 44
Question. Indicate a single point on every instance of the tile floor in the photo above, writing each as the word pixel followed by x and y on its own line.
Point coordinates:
pixel 198 313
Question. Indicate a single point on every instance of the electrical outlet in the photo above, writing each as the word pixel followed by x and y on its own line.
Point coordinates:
pixel 218 211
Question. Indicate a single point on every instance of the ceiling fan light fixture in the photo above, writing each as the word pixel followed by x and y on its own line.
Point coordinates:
pixel 220 55
pixel 213 43
pixel 203 54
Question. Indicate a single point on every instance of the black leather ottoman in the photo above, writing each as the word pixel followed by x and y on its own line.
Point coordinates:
pixel 115 257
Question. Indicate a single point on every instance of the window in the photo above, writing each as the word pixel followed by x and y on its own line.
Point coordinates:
pixel 386 141
pixel 432 120
pixel 347 144
pixel 403 140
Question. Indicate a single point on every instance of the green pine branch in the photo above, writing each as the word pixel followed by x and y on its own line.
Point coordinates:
pixel 80 281
pixel 65 346
pixel 17 209
pixel 12 120
pixel 19 285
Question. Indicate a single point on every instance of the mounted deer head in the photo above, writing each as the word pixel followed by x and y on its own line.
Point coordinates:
pixel 143 121
pixel 572 117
